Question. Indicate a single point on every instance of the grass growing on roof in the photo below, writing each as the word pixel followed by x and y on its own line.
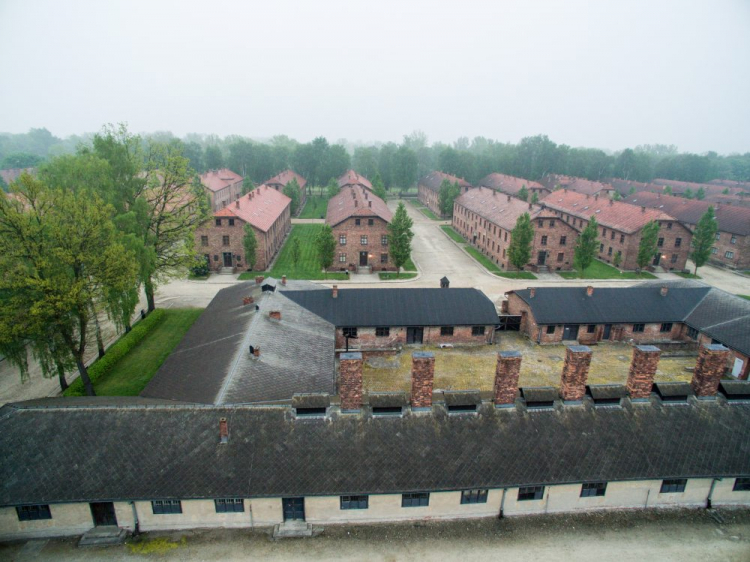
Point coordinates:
pixel 600 270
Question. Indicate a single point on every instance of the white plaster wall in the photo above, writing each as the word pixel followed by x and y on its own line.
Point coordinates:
pixel 695 494
pixel 195 514
pixel 67 519
pixel 723 494
pixel 266 512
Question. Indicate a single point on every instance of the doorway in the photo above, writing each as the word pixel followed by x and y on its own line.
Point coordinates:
pixel 570 332
pixel 227 259
pixel 294 509
pixel 607 331
pixel 363 259
pixel 657 258
pixel 103 514
pixel 541 258
pixel 414 335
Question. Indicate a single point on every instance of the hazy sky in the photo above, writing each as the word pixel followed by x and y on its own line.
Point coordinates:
pixel 603 73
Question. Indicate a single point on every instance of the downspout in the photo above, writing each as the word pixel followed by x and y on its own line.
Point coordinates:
pixel 502 504
pixel 711 493
pixel 539 336
pixel 136 524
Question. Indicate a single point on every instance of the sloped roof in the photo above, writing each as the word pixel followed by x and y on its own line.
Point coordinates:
pixel 351 177
pixel 724 317
pixel 623 187
pixel 503 210
pixel 399 307
pixel 356 201
pixel 110 453
pixel 730 219
pixel 433 180
pixel 285 177
pixel 216 180
pixel 212 363
pixel 612 214
pixel 508 184
pixel 571 183
pixel 260 208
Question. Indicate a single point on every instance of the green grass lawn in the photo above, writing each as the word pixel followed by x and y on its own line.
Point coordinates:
pixel 448 229
pixel 688 275
pixel 315 207
pixel 131 374
pixel 483 260
pixel 427 212
pixel 600 270
pixel 388 275
pixel 308 267
pixel 745 296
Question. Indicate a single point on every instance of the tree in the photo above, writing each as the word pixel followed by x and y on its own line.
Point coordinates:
pixel 400 236
pixel 295 251
pixel 213 158
pixel 20 160
pixel 586 246
pixel 250 242
pixel 447 197
pixel 247 185
pixel 325 246
pixel 617 259
pixel 378 188
pixel 700 195
pixel 703 238
pixel 688 194
pixel 667 190
pixel 333 188
pixel 291 190
pixel 648 244
pixel 60 257
pixel 535 198
pixel 521 237
pixel 523 193
pixel 616 196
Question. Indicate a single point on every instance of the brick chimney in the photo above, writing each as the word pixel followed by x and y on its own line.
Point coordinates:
pixel 335 291
pixel 532 292
pixel 275 315
pixel 506 377
pixel 247 300
pixel 422 377
pixel 596 197
pixel 259 279
pixel 283 279
pixel 663 290
pixel 237 203
pixel 223 431
pixel 256 351
pixel 589 291
pixel 350 381
pixel 711 364
pixel 531 206
pixel 643 209
pixel 508 198
pixel 642 370
pixel 575 372
pixel 611 202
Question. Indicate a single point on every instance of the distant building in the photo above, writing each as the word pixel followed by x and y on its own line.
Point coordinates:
pixel 579 185
pixel 352 179
pixel 280 181
pixel 222 187
pixel 429 189
pixel 511 185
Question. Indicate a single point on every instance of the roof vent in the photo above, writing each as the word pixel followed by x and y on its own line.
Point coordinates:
pixel 673 392
pixel 462 402
pixel 606 394
pixel 735 391
pixel 223 431
pixel 538 398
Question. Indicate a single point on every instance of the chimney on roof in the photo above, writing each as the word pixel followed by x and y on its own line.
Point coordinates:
pixel 507 371
pixel 643 209
pixel 642 370
pixel 283 279
pixel 247 300
pixel 531 206
pixel 223 431
pixel 589 291
pixel 335 291
pixel 663 290
pixel 710 367
pixel 237 203
pixel 508 198
pixel 611 202
pixel 532 292
pixel 350 381
pixel 275 315
pixel 259 279
pixel 596 197
pixel 422 378
pixel 575 372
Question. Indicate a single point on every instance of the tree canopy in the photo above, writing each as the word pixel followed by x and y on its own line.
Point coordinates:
pixel 447 197
pixel 647 247
pixel 400 237
pixel 521 237
pixel 586 245
pixel 703 238
pixel 291 190
pixel 325 246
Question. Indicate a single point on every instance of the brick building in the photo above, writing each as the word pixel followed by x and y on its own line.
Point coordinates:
pixel 222 187
pixel 359 220
pixel 352 179
pixel 429 189
pixel 486 219
pixel 511 185
pixel 279 181
pixel 579 185
pixel 732 248
pixel 620 228
pixel 220 238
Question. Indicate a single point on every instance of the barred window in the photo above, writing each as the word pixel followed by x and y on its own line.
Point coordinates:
pixel 357 222
pixel 342 257
pixel 677 242
pixel 417 499
pixel 563 240
pixel 363 240
pixel 446 330
pixel 674 486
pixel 370 222
pixel 33 512
pixel 384 240
pixel 354 502
pixel 527 493
pixel 382 332
pixel 383 258
pixel 477 330
pixel 350 332
pixel 544 240
pixel 593 489
pixel 342 239
pixel 218 222
pixel 231 222
pixel 638 328
pixel 550 329
pixel 229 505
pixel 166 507
pixel 660 242
pixel 225 240
pixel 204 240
pixel 474 496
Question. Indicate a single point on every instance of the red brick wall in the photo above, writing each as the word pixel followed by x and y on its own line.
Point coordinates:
pixel 354 245
pixel 222 198
pixel 366 338
pixel 430 198
pixel 740 249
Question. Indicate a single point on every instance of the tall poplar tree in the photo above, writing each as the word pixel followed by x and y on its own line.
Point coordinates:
pixel 647 247
pixel 400 236
pixel 585 250
pixel 521 237
pixel 703 238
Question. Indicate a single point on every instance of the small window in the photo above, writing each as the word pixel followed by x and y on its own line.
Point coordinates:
pixel 477 330
pixel 692 333
pixel 418 499
pixel 677 242
pixel 446 330
pixel 729 255
pixel 356 222
pixel 342 239
pixel 544 240
pixel 601 247
pixel 612 235
pixel 563 240
pixel 714 251
pixel 33 512
pixel 218 222
pixel 609 251
pixel 231 222
pixel 350 332
pixel 204 240
pixel 550 329
pixel 669 226
pixel 660 242
pixel 166 507
pixel 540 222
pixel 363 240
pixel 591 328
pixel 593 489
pixel 718 236
pixel 638 328
pixel 384 240
pixel 370 222
pixel 474 496
pixel 604 232
pixel 216 257
pixel 342 257
pixel 741 485
pixel 622 238
pixel 383 258
pixel 382 332
pixel 229 505
pixel 733 240
pixel 673 259
pixel 665 327
pixel 552 224
pixel 674 486
pixel 560 256
pixel 355 502
pixel 527 493
pixel 225 240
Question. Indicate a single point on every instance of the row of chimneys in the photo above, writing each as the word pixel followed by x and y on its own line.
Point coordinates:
pixel 590 291
pixel 709 369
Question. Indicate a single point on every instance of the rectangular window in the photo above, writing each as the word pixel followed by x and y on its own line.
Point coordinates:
pixel 231 222
pixel 527 493
pixel 669 226
pixel 692 333
pixel 591 328
pixel 601 248
pixel 418 499
pixel 229 505
pixel 540 223
pixel 609 251
pixel 718 236
pixel 544 240
pixel 33 512
pixel 218 222
pixel 382 332
pixel 741 485
pixel 552 224
pixel 350 331
pixel 714 251
pixel 666 327
pixel 674 486
pixel 593 489
pixel 477 330
pixel 604 232
pixel 356 222
pixel 384 240
pixel 370 222
pixel 204 240
pixel 560 256
pixel 733 240
pixel 166 507
pixel 383 258
pixel 363 240
pixel 622 238
pixel 638 328
pixel 660 242
pixel 225 240
pixel 563 240
pixel 677 242
pixel 612 235
pixel 355 502
pixel 729 255
pixel 474 496
pixel 446 330
pixel 342 257
pixel 342 239
pixel 550 329
pixel 673 259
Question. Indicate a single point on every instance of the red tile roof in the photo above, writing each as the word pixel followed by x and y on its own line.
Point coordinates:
pixel 735 220
pixel 216 180
pixel 612 214
pixel 508 184
pixel 260 208
pixel 433 180
pixel 353 178
pixel 285 177
pixel 580 185
pixel 12 174
pixel 498 208
pixel 356 201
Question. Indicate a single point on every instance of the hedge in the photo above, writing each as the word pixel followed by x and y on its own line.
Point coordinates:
pixel 120 348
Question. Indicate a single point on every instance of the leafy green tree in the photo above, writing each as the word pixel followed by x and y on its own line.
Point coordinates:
pixel 20 160
pixel 325 246
pixel 405 167
pixel 617 259
pixel 703 238
pixel 667 190
pixel 700 195
pixel 616 196
pixel 213 158
pixel 521 237
pixel 250 243
pixel 378 188
pixel 523 193
pixel 291 190
pixel 400 237
pixel 447 197
pixel 247 185
pixel 333 188
pixel 647 247
pixel 295 251
pixel 725 191
pixel 586 245
pixel 632 190
pixel 688 194
pixel 535 198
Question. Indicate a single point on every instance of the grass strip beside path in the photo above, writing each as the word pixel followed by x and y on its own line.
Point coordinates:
pixel 600 270
pixel 315 207
pixel 483 260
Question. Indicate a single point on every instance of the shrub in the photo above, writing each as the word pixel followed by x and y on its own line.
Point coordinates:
pixel 121 348
pixel 200 270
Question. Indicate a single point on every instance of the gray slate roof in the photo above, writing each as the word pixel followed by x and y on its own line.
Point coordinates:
pixel 153 452
pixel 399 307
pixel 212 364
